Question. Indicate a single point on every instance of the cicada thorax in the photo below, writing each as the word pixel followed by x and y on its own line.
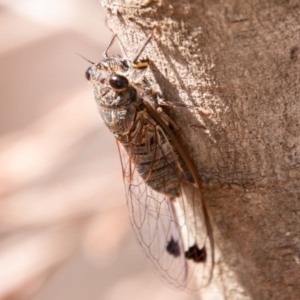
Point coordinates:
pixel 119 117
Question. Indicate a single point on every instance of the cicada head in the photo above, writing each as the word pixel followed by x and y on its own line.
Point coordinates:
pixel 111 81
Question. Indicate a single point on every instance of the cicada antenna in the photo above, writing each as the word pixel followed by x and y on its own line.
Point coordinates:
pixel 85 58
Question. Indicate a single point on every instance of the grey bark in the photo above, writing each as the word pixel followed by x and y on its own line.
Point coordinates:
pixel 238 61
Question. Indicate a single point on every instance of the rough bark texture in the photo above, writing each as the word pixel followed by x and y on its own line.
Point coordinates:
pixel 239 62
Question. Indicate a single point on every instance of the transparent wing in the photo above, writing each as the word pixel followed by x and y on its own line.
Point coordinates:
pixel 171 231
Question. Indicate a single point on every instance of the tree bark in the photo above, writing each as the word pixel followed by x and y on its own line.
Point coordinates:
pixel 237 64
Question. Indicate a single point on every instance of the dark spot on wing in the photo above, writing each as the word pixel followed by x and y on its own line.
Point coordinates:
pixel 196 254
pixel 173 247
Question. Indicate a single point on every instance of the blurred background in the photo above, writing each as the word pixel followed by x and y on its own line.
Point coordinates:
pixel 64 228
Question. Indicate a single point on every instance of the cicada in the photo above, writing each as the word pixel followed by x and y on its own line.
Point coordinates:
pixel 167 211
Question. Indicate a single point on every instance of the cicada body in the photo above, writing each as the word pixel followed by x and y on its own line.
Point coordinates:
pixel 166 207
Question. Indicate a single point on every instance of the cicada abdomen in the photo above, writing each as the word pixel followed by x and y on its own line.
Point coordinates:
pixel 166 207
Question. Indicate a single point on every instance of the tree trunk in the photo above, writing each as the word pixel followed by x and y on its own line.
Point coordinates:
pixel 236 62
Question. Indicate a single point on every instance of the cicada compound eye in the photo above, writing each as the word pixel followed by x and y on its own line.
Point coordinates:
pixel 88 73
pixel 118 82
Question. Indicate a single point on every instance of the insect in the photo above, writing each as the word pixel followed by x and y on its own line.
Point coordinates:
pixel 166 208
